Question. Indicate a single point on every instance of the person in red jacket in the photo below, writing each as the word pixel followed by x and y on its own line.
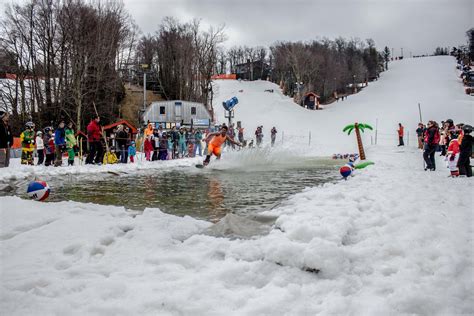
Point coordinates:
pixel 93 138
pixel 400 134
pixel 148 148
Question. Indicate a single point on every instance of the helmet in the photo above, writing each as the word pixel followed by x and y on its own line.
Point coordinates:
pixel 450 121
pixel 47 129
pixel 30 125
pixel 39 133
pixel 467 129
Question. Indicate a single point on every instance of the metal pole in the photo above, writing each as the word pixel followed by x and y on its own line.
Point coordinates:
pixel 419 110
pixel 309 138
pixel 376 129
pixel 144 90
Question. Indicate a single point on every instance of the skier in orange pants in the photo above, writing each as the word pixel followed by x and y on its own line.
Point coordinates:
pixel 215 141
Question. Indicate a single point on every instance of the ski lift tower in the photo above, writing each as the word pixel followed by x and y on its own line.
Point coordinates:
pixel 229 108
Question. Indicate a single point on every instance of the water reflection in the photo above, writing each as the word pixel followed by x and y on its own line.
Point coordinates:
pixel 215 195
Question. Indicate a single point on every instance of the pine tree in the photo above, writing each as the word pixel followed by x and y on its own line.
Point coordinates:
pixel 386 56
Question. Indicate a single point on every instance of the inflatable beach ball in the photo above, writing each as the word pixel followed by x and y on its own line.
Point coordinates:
pixel 345 171
pixel 38 190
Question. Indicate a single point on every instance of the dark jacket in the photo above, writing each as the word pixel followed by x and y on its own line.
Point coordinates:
pixel 432 136
pixel 6 136
pixel 465 149
pixel 122 139
pixel 419 131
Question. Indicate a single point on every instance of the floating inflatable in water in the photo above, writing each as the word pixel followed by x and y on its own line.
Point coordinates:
pixel 364 164
pixel 38 190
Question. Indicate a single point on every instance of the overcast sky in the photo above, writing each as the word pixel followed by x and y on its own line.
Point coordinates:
pixel 419 26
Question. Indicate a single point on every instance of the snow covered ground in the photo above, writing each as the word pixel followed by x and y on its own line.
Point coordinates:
pixel 392 240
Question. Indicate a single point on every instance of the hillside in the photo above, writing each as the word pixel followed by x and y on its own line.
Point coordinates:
pixel 433 82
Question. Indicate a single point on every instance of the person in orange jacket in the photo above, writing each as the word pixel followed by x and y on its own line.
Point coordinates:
pixel 400 134
pixel 149 130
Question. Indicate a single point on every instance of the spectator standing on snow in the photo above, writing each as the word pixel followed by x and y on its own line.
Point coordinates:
pixel 174 140
pixel 419 133
pixel 273 135
pixel 443 142
pixel 48 140
pixel 240 134
pixel 148 148
pixel 71 143
pixel 6 139
pixel 122 142
pixel 191 143
pixel 163 147
pixel 198 143
pixel 132 151
pixel 431 143
pixel 259 135
pixel 149 130
pixel 59 144
pixel 401 131
pixel 39 147
pixel 93 138
pixel 181 143
pixel 27 138
pixel 155 141
pixel 465 152
pixel 452 157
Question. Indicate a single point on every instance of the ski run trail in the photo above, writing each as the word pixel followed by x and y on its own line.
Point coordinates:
pixel 392 240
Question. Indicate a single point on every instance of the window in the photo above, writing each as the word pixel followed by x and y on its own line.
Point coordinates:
pixel 162 110
pixel 193 110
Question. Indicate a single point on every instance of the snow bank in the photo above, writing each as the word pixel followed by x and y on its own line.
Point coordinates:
pixel 16 171
pixel 392 240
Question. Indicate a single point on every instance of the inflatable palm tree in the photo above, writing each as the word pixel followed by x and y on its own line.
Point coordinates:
pixel 358 127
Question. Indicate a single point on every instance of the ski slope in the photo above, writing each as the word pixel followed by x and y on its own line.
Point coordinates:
pixel 392 240
pixel 432 81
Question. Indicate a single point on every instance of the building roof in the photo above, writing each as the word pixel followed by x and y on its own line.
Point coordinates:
pixel 121 122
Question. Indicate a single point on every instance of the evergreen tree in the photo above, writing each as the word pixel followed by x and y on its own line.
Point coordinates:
pixel 386 56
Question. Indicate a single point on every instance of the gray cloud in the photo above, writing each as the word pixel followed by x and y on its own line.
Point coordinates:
pixel 416 25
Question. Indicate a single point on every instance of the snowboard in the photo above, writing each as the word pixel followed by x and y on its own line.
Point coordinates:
pixel 200 166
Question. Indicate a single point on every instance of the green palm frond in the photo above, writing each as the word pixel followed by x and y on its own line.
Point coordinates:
pixel 349 129
pixel 363 126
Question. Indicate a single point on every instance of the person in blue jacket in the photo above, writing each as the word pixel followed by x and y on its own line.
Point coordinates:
pixel 59 143
pixel 132 151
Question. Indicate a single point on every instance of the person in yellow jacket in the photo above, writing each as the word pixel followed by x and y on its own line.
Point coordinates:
pixel 27 144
